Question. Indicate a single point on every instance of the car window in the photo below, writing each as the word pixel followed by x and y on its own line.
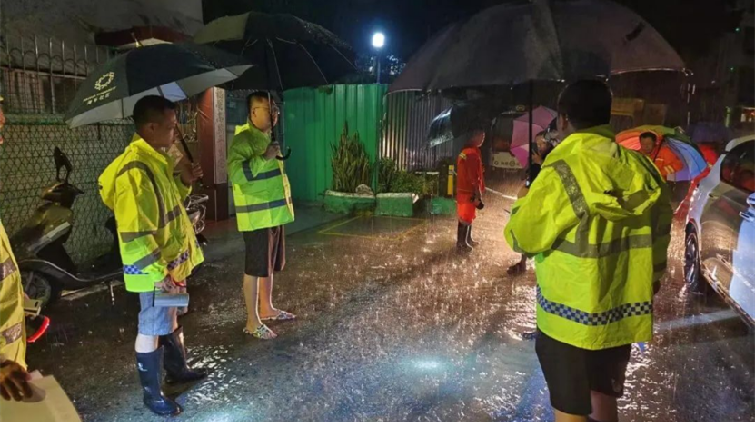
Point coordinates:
pixel 738 167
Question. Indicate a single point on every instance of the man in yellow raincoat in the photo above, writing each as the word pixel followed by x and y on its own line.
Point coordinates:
pixel 262 197
pixel 13 376
pixel 157 242
pixel 597 221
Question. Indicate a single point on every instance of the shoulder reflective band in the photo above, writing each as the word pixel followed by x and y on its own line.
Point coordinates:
pixel 165 218
pixel 594 318
pixel 582 247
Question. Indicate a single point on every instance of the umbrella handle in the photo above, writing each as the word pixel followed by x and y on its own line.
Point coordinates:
pixel 284 156
pixel 188 154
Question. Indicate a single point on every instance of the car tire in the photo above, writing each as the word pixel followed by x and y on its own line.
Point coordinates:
pixel 692 267
pixel 38 286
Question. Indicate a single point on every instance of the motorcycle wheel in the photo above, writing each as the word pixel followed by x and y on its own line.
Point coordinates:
pixel 39 287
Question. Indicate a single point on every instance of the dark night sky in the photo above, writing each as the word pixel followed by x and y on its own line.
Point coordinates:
pixel 688 25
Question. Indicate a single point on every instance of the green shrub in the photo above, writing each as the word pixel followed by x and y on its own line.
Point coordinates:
pixel 408 183
pixel 351 164
pixel 386 174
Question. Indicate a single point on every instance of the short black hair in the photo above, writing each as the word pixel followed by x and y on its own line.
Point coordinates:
pixel 151 109
pixel 586 103
pixel 650 135
pixel 258 95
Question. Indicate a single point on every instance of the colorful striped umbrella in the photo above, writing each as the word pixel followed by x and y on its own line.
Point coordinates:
pixel 676 140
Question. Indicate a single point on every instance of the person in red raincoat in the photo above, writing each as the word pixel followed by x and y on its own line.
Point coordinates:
pixel 470 184
pixel 666 160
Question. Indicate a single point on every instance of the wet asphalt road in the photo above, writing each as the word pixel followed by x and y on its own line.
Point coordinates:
pixel 392 327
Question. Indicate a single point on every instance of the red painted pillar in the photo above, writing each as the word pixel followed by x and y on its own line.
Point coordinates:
pixel 212 147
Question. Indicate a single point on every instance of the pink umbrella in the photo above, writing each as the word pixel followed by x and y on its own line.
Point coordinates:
pixel 520 144
pixel 522 153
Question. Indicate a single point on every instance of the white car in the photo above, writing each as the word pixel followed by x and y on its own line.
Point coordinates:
pixel 720 233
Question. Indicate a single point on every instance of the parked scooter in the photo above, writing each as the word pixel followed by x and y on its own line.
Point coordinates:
pixel 46 267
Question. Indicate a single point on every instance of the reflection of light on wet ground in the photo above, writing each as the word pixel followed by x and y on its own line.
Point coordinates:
pixel 399 329
pixel 427 365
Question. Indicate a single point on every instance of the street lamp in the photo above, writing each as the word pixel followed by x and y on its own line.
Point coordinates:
pixel 378 41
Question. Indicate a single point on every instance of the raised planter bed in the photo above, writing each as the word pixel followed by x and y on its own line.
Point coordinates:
pixel 397 204
pixel 442 206
pixel 348 203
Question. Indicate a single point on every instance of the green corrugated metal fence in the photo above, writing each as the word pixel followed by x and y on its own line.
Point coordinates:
pixel 314 119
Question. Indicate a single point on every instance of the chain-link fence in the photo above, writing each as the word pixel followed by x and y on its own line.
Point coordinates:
pixel 27 169
pixel 39 80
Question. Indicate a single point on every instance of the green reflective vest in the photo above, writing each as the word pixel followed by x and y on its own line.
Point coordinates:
pixel 261 191
pixel 598 221
pixel 155 235
pixel 12 335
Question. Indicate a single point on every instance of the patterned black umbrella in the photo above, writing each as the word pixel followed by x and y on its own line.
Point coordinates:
pixel 287 52
pixel 174 71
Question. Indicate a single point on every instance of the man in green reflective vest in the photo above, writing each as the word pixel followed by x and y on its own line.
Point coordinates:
pixel 597 221
pixel 157 243
pixel 262 197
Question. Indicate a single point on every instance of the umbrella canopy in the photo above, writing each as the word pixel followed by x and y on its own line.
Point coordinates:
pixel 523 133
pixel 440 129
pixel 457 122
pixel 541 119
pixel 173 71
pixel 288 52
pixel 678 142
pixel 535 41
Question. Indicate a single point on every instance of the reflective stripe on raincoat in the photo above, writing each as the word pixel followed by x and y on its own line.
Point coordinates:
pixel 666 161
pixel 155 235
pixel 261 191
pixel 598 222
pixel 12 328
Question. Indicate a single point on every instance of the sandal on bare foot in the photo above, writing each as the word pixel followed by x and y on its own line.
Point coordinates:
pixel 262 332
pixel 280 316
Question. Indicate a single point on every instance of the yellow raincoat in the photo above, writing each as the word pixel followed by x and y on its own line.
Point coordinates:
pixel 12 335
pixel 261 191
pixel 155 235
pixel 598 222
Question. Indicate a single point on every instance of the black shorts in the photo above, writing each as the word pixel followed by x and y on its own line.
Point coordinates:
pixel 265 251
pixel 571 373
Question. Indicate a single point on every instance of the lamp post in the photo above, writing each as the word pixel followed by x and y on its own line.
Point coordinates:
pixel 378 41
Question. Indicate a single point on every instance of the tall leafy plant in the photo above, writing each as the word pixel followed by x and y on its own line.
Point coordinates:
pixel 351 165
pixel 387 170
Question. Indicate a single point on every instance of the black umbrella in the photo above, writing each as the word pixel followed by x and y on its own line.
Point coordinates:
pixel 538 40
pixel 288 52
pixel 175 72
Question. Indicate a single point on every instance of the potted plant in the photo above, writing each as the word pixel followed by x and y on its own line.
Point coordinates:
pixel 351 176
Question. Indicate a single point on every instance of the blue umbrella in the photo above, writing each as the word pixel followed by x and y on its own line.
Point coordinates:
pixel 694 163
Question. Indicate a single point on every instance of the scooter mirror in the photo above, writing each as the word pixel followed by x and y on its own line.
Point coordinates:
pixel 62 161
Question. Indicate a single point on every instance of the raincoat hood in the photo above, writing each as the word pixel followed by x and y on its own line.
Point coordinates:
pixel 107 179
pixel 608 174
